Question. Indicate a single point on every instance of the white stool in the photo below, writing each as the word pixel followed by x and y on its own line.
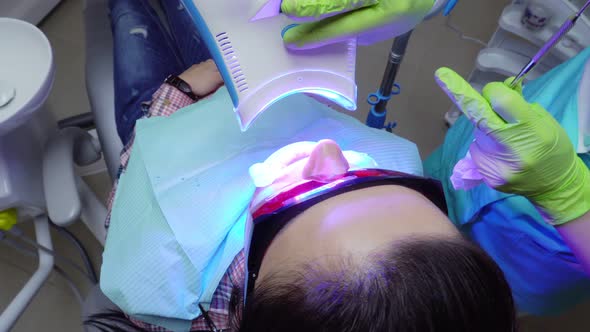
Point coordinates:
pixel 26 77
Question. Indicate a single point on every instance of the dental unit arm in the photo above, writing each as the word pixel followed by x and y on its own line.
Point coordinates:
pixel 378 100
pixel 245 40
pixel 256 67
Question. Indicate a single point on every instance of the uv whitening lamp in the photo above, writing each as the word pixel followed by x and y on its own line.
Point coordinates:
pixel 258 69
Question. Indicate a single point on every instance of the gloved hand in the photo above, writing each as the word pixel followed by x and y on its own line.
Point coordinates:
pixel 520 148
pixel 370 20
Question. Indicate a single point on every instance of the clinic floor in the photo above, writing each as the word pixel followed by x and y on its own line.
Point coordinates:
pixel 418 110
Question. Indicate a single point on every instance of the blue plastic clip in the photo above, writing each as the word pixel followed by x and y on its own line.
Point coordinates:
pixel 287 28
pixel 450 6
pixel 390 126
pixel 375 119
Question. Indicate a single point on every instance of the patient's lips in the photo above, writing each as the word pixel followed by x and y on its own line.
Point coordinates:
pixel 325 162
pixel 304 161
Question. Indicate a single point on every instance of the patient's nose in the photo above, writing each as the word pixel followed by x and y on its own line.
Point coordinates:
pixel 325 161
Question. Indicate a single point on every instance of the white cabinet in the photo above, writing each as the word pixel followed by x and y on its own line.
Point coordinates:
pixel 512 45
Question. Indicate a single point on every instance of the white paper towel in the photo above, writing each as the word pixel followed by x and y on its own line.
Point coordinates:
pixel 466 175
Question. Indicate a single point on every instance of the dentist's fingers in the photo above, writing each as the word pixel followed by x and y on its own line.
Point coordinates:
pixel 477 109
pixel 314 9
pixel 517 88
pixel 334 29
pixel 507 103
pixel 369 20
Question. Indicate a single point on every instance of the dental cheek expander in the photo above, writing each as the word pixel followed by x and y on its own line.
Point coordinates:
pixel 258 69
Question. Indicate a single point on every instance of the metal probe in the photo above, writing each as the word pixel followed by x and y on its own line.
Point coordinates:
pixel 565 28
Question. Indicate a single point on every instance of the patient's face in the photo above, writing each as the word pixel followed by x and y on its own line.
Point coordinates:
pixel 352 224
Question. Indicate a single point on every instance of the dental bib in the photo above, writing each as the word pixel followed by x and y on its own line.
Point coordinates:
pixel 181 205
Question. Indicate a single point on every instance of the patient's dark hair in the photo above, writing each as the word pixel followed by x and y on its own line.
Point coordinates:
pixel 419 285
pixel 416 286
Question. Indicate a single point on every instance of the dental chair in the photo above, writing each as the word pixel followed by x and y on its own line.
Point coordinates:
pixel 101 94
pixel 69 198
pixel 99 80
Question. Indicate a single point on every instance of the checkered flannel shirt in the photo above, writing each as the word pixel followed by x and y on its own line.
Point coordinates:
pixel 165 102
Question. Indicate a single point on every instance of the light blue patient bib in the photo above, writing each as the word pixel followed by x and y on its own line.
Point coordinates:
pixel 567 97
pixel 180 208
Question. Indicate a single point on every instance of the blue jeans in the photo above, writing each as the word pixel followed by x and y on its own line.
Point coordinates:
pixel 145 53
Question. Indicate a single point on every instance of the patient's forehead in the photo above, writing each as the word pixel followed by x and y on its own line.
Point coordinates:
pixel 355 224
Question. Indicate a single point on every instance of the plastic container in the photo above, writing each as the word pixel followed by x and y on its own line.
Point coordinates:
pixel 536 16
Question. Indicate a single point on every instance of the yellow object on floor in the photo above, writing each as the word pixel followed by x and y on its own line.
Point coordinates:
pixel 8 219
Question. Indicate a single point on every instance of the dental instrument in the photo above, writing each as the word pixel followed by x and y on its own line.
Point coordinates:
pixel 565 28
pixel 258 69
pixel 378 100
pixel 388 88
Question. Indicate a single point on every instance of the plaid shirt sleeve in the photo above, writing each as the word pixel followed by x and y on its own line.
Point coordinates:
pixel 219 310
pixel 165 101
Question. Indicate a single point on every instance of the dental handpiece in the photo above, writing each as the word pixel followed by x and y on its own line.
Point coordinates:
pixel 565 28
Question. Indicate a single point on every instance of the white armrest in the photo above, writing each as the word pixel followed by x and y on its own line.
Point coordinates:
pixel 60 182
pixel 100 81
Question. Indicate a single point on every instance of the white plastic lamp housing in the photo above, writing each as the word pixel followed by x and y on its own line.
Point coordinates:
pixel 256 66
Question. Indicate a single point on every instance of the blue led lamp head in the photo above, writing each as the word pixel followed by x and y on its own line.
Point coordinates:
pixel 258 69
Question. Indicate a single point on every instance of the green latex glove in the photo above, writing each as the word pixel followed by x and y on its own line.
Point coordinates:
pixel 370 20
pixel 521 149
